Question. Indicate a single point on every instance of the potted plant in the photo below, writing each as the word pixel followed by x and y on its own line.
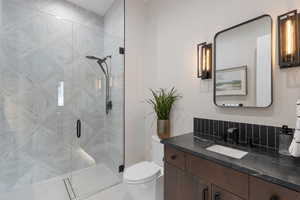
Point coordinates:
pixel 162 102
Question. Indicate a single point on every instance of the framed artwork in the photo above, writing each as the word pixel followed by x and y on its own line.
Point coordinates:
pixel 231 81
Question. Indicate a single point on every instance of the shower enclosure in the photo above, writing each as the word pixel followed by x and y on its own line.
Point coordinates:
pixel 56 139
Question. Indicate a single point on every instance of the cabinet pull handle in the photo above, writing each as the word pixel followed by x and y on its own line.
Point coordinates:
pixel 217 196
pixel 204 192
pixel 274 197
pixel 173 157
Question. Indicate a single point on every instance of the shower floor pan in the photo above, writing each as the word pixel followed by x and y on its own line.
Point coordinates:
pixel 84 182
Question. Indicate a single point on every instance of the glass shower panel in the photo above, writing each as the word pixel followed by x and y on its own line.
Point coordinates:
pixel 96 154
pixel 35 55
pixel 115 121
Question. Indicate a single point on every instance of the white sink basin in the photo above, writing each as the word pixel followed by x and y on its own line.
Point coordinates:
pixel 227 151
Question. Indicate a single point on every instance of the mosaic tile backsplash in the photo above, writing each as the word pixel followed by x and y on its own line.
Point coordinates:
pixel 261 135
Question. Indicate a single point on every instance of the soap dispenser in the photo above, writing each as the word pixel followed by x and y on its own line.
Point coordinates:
pixel 285 139
pixel 295 145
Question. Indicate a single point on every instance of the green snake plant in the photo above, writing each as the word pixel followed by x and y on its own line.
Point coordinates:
pixel 162 101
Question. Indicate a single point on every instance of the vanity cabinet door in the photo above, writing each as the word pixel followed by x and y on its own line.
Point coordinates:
pixel 196 189
pixel 220 194
pixel 174 183
pixel 229 179
pixel 180 185
pixel 175 157
pixel 260 189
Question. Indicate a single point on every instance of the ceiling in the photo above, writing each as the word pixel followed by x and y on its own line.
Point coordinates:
pixel 98 6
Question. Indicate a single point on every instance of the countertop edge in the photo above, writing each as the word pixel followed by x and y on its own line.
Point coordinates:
pixel 241 169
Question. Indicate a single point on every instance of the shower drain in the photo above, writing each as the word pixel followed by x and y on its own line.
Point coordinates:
pixel 70 189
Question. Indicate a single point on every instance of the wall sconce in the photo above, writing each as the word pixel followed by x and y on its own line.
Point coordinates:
pixel 289 36
pixel 204 63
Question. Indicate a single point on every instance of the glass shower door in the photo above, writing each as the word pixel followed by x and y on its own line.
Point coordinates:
pixel 47 86
pixel 97 152
pixel 36 142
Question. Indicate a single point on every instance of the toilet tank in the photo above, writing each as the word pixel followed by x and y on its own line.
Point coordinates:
pixel 157 151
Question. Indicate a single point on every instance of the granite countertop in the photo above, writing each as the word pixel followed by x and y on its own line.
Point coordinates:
pixel 269 166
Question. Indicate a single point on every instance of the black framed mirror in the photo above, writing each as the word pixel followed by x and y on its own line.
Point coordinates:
pixel 243 64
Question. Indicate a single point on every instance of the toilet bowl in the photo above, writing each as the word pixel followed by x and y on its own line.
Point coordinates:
pixel 144 180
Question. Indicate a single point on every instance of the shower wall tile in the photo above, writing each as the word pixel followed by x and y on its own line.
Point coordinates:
pixel 61 51
pixel 13 168
pixel 38 172
pixel 37 51
pixel 49 149
pixel 6 143
pixel 88 41
pixel 32 63
pixel 13 14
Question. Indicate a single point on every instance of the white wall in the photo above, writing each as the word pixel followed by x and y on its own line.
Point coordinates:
pixel 174 29
pixel 134 115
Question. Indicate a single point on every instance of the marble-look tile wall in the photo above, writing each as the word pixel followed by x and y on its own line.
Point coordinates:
pixel 42 43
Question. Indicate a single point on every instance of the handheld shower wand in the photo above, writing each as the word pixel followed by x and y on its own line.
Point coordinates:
pixel 106 72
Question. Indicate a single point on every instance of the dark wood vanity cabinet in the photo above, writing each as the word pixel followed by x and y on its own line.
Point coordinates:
pixel 196 188
pixel 175 157
pixel 174 182
pixel 179 183
pixel 260 189
pixel 221 194
pixel 188 177
pixel 225 178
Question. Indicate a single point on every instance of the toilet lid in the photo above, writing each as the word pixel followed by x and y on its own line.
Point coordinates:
pixel 142 172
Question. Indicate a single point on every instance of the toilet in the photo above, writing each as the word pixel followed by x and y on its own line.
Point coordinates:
pixel 144 180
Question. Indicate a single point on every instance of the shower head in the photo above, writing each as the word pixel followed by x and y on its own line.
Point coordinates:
pixel 93 58
pixel 99 60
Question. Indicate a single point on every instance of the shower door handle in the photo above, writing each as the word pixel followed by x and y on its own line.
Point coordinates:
pixel 78 128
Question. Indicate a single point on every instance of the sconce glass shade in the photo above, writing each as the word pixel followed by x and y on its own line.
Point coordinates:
pixel 204 57
pixel 288 35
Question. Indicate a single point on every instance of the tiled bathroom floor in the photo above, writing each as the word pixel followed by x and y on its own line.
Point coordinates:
pixel 118 192
pixel 82 182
